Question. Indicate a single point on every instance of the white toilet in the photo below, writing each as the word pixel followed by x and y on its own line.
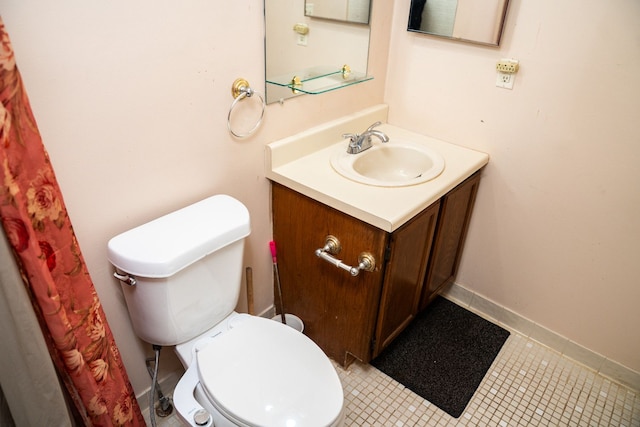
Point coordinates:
pixel 181 275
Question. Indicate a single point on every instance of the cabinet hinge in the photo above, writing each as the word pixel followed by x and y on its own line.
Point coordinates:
pixel 387 254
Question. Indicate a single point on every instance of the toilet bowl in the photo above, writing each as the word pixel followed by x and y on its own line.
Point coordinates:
pixel 181 277
pixel 251 371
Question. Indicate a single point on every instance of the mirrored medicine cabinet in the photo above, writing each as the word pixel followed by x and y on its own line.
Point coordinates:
pixel 314 46
pixel 475 21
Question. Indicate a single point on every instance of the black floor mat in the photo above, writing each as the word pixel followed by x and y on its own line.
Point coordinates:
pixel 443 355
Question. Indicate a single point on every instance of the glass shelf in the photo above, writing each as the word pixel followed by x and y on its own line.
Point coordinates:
pixel 318 80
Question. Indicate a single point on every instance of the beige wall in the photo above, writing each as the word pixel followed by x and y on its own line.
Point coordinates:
pixel 132 102
pixel 556 228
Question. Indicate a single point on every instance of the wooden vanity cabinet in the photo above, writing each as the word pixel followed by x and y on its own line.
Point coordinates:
pixel 339 311
pixel 358 316
pixel 408 253
pixel 455 214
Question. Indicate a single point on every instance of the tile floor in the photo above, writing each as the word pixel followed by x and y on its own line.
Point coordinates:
pixel 527 385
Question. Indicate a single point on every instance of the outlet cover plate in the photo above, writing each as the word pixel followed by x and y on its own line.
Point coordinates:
pixel 505 80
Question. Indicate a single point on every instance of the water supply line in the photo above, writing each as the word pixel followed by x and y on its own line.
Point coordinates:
pixel 165 407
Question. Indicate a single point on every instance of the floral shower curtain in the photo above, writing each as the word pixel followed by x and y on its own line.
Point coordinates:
pixel 39 230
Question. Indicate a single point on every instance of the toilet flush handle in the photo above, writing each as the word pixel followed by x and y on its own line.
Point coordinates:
pixel 125 278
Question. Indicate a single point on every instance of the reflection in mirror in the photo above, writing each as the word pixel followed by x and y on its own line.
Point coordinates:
pixel 476 21
pixel 341 10
pixel 313 50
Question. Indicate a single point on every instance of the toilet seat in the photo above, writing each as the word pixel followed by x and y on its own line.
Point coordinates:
pixel 263 373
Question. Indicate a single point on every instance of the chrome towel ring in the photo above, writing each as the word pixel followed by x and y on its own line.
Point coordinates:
pixel 241 90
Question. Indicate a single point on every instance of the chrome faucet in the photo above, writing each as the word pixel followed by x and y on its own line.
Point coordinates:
pixel 360 142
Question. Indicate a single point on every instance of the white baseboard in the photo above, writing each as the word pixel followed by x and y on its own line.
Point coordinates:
pixel 514 322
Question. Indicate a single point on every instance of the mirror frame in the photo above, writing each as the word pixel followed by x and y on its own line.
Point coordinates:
pixel 499 18
pixel 362 18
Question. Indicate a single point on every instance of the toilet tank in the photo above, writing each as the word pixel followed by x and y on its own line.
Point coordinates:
pixel 187 269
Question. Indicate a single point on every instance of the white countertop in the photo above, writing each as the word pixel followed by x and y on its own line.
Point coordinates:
pixel 302 163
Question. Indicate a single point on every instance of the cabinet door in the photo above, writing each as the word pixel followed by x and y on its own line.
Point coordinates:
pixel 409 250
pixel 455 214
pixel 339 310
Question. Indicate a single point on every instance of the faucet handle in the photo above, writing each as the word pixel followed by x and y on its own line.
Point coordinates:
pixel 352 136
pixel 373 125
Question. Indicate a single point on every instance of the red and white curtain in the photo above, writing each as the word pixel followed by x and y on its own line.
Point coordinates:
pixel 39 232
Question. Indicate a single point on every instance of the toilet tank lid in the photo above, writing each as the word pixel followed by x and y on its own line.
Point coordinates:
pixel 166 245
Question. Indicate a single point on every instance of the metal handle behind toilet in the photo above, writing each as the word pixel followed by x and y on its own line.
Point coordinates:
pixel 332 246
pixel 125 278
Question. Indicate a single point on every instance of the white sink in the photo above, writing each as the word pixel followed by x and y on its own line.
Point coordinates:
pixel 397 163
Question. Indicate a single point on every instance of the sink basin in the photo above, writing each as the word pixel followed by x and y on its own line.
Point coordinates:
pixel 396 163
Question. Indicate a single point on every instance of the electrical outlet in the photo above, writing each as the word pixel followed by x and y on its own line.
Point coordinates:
pixel 302 31
pixel 507 69
pixel 507 66
pixel 505 80
pixel 301 28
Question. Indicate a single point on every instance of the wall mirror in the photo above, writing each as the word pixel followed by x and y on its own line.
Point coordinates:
pixel 341 10
pixel 475 21
pixel 307 55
